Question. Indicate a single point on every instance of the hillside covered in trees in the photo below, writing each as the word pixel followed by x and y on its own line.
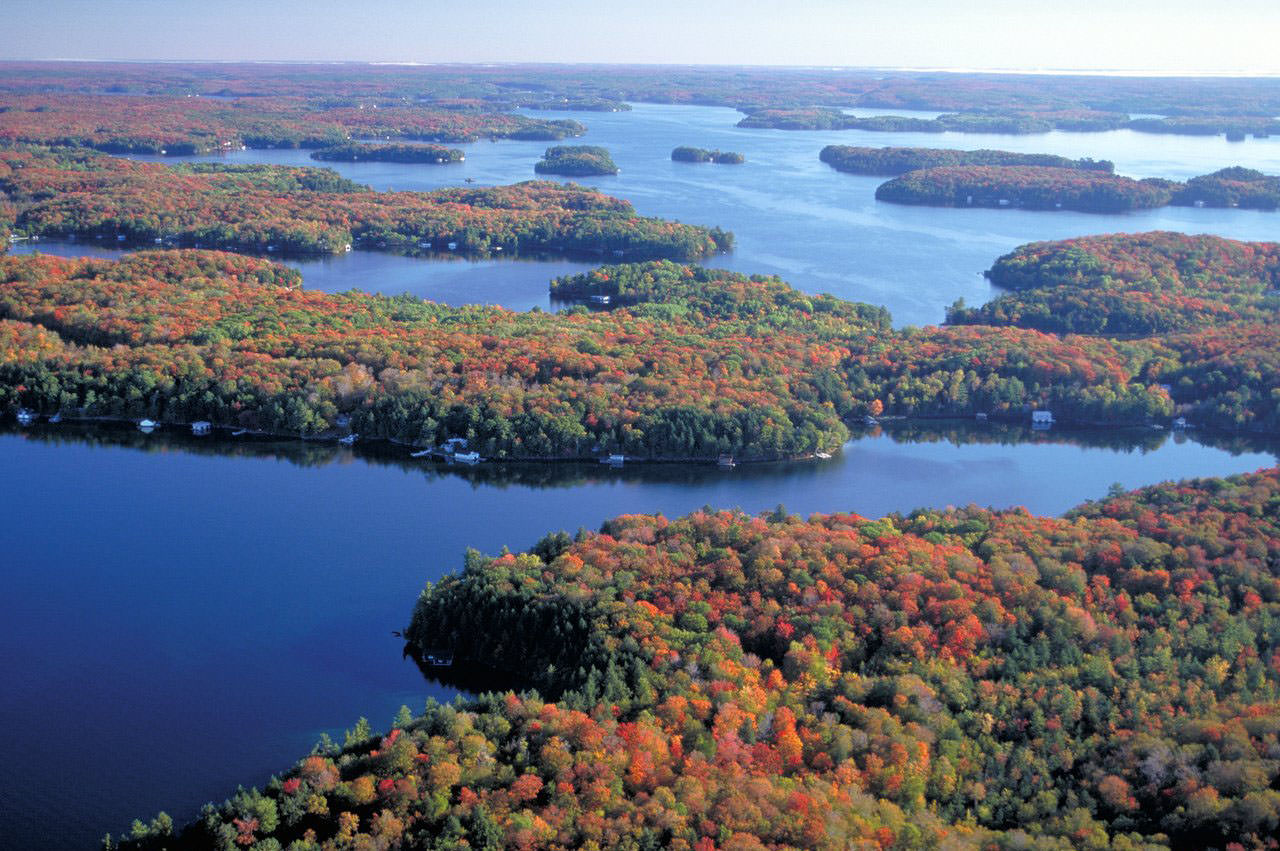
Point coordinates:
pixel 951 679
pixel 77 192
pixel 1231 187
pixel 1132 284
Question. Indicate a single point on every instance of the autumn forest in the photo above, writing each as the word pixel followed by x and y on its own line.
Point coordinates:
pixel 947 678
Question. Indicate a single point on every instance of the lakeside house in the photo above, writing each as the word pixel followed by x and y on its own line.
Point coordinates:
pixel 1041 419
pixel 200 428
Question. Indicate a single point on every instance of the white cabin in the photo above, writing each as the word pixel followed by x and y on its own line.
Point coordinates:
pixel 1041 419
pixel 454 444
pixel 201 427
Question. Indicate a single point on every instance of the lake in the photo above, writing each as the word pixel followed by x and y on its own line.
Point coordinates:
pixel 793 216
pixel 188 614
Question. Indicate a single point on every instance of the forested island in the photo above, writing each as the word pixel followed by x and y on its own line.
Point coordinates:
pixel 1086 186
pixel 890 161
pixel 374 152
pixel 687 154
pixel 258 208
pixel 1027 187
pixel 710 362
pixel 576 161
pixel 959 678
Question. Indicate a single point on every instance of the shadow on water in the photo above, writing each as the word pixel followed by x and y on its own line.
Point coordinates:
pixel 572 474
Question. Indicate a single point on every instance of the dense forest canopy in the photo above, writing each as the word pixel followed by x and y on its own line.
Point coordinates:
pixel 1030 187
pixel 951 679
pixel 891 161
pixel 185 125
pixel 693 363
pixel 77 192
pixel 943 177
pixel 373 152
pixel 1133 284
pixel 685 153
pixel 576 161
pixel 1231 187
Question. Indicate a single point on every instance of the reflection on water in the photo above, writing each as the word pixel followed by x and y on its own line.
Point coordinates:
pixel 213 604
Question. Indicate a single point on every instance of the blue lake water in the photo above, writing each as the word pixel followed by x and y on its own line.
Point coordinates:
pixel 794 216
pixel 187 615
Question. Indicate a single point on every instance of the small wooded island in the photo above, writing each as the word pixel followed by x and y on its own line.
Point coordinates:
pixel 387 153
pixel 576 161
pixel 891 161
pixel 943 177
pixel 687 154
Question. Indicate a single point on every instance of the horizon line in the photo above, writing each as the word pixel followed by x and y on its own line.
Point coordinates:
pixel 1218 73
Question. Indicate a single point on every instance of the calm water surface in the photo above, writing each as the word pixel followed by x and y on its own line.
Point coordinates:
pixel 183 615
pixel 794 216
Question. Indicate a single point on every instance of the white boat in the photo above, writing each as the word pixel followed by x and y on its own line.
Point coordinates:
pixel 467 457
pixel 147 426
pixel 824 456
pixel 349 439
pixel 240 432
pixel 421 453
pixel 26 417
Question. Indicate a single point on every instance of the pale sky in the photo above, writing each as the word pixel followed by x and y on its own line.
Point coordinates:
pixel 1165 36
